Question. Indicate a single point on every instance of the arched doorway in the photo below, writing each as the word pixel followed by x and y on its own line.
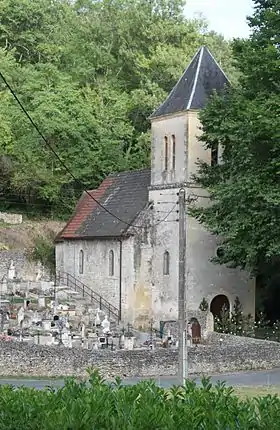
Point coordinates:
pixel 218 305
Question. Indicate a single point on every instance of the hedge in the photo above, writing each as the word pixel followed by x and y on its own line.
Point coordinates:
pixel 97 405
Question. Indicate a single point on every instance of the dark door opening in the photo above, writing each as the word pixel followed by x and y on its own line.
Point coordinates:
pixel 218 305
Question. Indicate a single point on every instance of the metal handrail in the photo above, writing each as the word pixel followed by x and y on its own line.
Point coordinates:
pixel 76 284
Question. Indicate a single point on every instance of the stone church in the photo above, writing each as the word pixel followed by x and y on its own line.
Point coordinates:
pixel 131 259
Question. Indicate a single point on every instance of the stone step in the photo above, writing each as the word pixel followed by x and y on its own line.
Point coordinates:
pixel 80 300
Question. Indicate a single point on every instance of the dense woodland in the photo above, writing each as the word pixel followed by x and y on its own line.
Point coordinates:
pixel 89 73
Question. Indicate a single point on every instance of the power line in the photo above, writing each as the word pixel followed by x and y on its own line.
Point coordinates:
pixel 62 162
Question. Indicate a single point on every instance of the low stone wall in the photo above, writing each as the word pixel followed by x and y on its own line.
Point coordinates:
pixel 10 218
pixel 234 354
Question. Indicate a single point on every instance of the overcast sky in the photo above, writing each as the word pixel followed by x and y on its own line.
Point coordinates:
pixel 227 17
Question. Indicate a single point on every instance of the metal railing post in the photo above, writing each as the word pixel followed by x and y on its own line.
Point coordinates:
pixel 79 286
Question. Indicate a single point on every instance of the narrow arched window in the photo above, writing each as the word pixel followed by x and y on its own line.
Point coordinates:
pixel 173 151
pixel 81 262
pixel 214 155
pixel 165 153
pixel 166 263
pixel 111 263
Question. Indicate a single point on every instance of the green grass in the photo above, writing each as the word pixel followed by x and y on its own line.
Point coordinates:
pixel 261 391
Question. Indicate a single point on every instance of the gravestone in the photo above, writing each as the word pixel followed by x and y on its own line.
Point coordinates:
pixel 42 302
pixel 11 270
pixel 4 288
pixel 97 321
pixel 20 315
pixel 106 325
pixel 129 343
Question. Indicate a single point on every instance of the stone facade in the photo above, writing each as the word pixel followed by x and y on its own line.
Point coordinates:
pixel 96 269
pixel 204 318
pixel 146 292
pixel 235 353
pixel 204 279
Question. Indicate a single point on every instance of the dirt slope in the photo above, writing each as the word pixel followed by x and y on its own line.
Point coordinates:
pixel 21 236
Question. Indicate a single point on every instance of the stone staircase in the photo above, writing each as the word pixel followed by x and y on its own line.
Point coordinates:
pixel 86 293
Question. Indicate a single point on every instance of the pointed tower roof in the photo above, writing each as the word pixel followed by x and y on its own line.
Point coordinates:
pixel 200 79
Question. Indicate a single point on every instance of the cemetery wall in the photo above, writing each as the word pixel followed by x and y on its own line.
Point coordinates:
pixel 232 354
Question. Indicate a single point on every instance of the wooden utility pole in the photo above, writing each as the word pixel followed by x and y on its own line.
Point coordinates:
pixel 183 353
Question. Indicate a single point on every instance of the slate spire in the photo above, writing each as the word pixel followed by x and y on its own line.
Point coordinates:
pixel 199 80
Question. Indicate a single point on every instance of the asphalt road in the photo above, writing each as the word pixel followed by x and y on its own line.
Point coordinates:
pixel 248 379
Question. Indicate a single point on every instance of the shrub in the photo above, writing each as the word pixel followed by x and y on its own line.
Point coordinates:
pixel 204 306
pixel 93 404
pixel 44 252
pixel 235 322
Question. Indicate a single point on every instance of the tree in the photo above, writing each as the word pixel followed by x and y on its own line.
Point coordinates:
pixel 89 73
pixel 244 189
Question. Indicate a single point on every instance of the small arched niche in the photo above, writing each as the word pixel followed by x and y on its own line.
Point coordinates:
pixel 166 263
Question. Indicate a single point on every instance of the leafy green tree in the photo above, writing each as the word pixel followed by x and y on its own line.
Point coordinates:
pixel 89 73
pixel 33 28
pixel 245 122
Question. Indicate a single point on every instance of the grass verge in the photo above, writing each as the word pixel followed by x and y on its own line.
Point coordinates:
pixel 250 392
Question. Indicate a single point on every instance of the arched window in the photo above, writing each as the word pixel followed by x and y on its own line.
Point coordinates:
pixel 165 153
pixel 173 152
pixel 214 155
pixel 111 263
pixel 220 252
pixel 166 263
pixel 81 262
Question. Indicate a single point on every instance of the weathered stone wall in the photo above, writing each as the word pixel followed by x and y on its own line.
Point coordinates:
pixel 204 279
pixel 10 218
pixel 24 269
pixel 205 319
pixel 235 354
pixel 96 268
pixel 147 293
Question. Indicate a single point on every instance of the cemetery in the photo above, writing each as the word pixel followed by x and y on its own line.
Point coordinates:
pixel 41 312
pixel 53 331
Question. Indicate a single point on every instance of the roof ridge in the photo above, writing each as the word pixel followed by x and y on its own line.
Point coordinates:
pixel 177 83
pixel 196 76
pixel 201 77
pixel 217 64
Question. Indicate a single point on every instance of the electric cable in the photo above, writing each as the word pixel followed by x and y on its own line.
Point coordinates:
pixel 65 166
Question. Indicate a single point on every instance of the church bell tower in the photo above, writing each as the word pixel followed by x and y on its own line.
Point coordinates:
pixel 175 152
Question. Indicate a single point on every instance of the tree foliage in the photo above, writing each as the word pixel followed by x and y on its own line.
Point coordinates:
pixel 245 122
pixel 96 404
pixel 89 73
pixel 44 252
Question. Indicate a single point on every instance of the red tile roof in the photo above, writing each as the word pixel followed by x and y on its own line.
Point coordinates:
pixel 123 195
pixel 85 206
